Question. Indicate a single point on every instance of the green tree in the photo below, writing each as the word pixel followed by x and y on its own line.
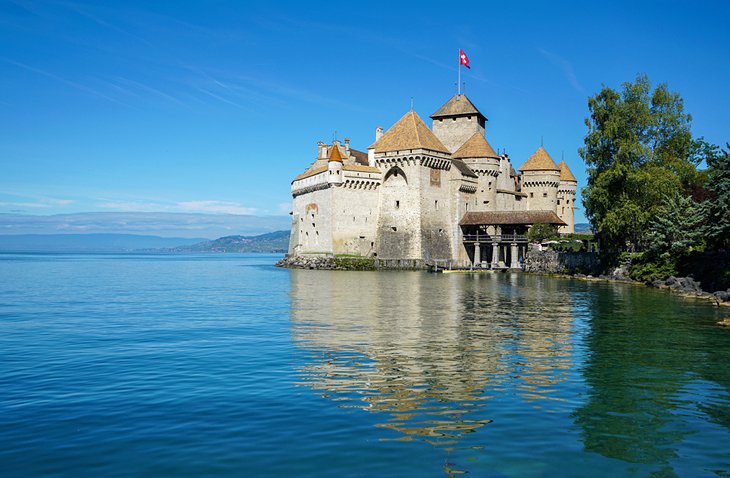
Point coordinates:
pixel 541 232
pixel 716 209
pixel 638 149
pixel 676 228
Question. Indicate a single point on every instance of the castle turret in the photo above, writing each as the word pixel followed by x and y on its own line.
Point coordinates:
pixel 457 121
pixel 334 164
pixel 540 181
pixel 481 158
pixel 566 198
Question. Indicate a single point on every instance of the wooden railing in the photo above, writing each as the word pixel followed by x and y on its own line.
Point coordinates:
pixel 487 238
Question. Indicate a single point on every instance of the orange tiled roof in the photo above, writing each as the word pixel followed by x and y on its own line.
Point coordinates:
pixel 476 147
pixel 458 105
pixel 539 161
pixel 409 132
pixel 311 172
pixel 335 154
pixel 361 168
pixel 565 173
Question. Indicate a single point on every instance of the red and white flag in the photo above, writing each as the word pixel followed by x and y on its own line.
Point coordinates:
pixel 463 59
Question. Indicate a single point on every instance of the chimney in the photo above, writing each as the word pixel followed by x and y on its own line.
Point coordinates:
pixel 378 133
pixel 347 144
pixel 321 150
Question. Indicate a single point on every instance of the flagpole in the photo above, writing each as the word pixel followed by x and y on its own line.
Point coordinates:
pixel 458 84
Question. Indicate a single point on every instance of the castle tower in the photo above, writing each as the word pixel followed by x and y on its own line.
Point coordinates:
pixel 481 158
pixel 415 221
pixel 540 181
pixel 457 121
pixel 334 164
pixel 566 198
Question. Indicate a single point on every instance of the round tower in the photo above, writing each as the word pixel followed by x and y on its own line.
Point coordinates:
pixel 334 164
pixel 566 198
pixel 481 158
pixel 540 181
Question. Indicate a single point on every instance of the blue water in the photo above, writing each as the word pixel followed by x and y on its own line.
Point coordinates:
pixel 222 365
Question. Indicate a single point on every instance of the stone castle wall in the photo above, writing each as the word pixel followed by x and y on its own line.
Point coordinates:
pixel 453 132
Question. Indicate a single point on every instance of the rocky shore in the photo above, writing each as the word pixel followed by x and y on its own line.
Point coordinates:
pixel 586 266
pixel 327 263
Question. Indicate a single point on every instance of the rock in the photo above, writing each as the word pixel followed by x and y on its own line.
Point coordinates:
pixel 725 322
pixel 722 296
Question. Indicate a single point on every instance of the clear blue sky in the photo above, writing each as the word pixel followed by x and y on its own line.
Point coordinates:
pixel 214 106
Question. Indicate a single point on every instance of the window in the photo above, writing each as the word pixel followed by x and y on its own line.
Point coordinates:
pixel 544 195
pixel 436 205
pixel 532 195
pixel 558 201
pixel 395 229
pixel 397 204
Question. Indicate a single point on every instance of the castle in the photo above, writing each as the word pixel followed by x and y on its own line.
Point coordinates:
pixel 423 196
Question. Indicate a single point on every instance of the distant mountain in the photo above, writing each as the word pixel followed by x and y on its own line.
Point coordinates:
pixel 582 227
pixel 161 224
pixel 271 242
pixel 89 242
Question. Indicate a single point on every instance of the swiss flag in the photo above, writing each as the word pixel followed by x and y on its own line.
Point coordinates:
pixel 463 59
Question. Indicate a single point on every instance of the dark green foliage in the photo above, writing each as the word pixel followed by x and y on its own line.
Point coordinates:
pixel 541 232
pixel 646 268
pixel 716 209
pixel 676 228
pixel 354 263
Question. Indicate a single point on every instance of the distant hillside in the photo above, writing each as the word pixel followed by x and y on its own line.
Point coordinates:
pixel 88 242
pixel 582 227
pixel 277 241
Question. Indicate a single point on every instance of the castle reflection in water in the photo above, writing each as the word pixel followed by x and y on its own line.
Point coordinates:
pixel 427 351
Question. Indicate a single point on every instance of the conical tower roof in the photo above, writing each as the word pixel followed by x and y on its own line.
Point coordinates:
pixel 458 105
pixel 539 161
pixel 335 154
pixel 476 147
pixel 565 173
pixel 409 132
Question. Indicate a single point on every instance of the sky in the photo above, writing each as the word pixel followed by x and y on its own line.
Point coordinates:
pixel 214 106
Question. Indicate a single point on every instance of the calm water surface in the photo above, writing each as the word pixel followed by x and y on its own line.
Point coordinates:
pixel 222 365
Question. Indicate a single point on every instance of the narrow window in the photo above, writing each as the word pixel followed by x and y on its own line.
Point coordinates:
pixel 558 201
pixel 544 195
pixel 532 195
pixel 397 204
pixel 436 204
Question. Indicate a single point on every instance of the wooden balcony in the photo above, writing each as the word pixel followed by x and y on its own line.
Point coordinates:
pixel 498 238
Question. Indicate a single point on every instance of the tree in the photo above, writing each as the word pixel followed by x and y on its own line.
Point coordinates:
pixel 716 209
pixel 676 229
pixel 540 232
pixel 639 150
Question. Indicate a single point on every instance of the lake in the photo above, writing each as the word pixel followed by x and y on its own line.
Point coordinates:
pixel 223 365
